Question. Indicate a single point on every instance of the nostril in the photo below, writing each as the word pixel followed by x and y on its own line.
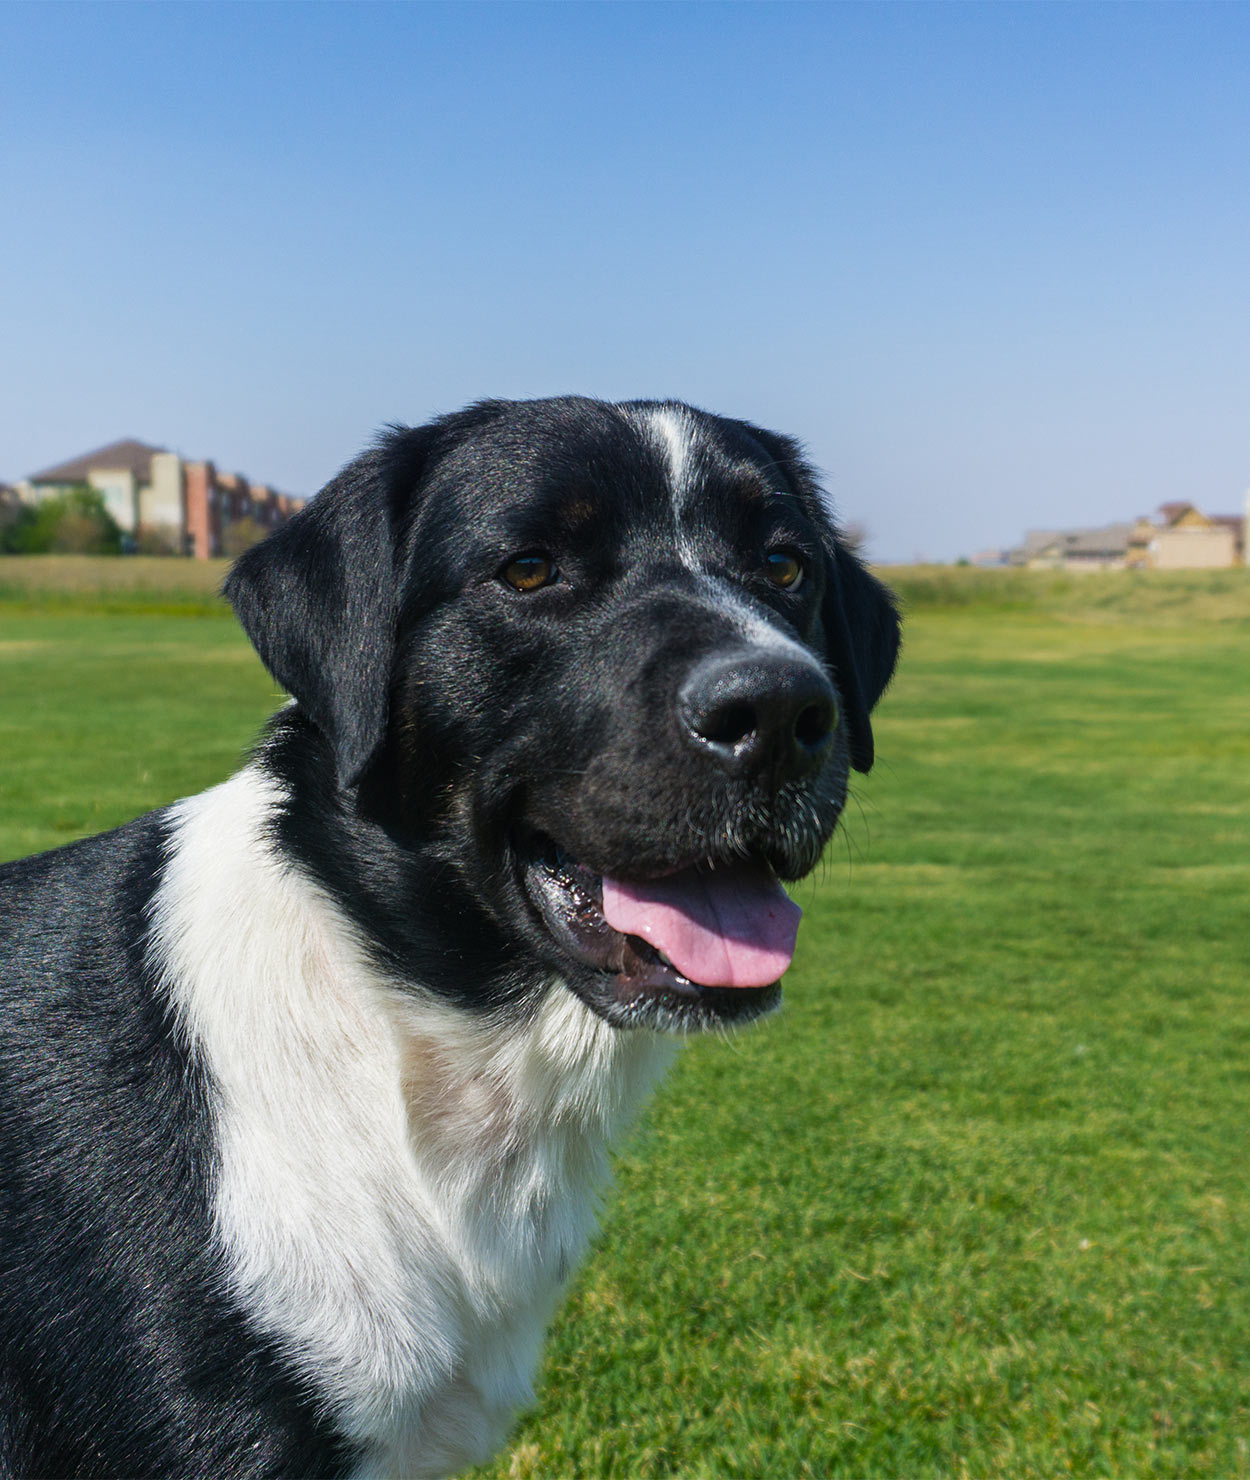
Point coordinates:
pixel 814 724
pixel 728 724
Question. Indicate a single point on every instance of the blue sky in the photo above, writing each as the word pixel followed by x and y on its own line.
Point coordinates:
pixel 990 262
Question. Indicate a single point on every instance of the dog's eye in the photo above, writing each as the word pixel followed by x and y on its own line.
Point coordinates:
pixel 784 568
pixel 529 572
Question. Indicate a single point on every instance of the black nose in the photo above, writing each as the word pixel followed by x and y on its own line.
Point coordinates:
pixel 766 715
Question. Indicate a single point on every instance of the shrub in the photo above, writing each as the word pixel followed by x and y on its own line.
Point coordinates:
pixel 160 539
pixel 73 523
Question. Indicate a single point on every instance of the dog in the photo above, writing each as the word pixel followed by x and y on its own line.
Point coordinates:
pixel 307 1083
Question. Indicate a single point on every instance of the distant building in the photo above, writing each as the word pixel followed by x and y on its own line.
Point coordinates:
pixel 166 504
pixel 1105 548
pixel 1179 537
pixel 1183 538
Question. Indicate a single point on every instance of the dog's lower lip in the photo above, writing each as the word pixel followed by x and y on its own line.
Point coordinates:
pixel 568 897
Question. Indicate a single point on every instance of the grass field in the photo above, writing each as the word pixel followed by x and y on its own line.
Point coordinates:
pixel 977 1203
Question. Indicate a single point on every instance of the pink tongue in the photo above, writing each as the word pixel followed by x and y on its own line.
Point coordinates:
pixel 726 927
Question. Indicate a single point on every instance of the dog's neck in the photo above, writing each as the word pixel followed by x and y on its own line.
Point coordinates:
pixel 402 892
pixel 512 1125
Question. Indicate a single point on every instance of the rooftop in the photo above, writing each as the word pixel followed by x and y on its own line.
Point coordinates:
pixel 129 455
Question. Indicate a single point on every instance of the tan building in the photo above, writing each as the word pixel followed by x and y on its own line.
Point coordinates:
pixel 1184 538
pixel 165 504
pixel 1179 537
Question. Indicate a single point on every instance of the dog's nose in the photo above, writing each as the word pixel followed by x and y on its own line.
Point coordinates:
pixel 767 715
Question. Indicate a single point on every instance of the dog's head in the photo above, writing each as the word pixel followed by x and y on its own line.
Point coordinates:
pixel 612 662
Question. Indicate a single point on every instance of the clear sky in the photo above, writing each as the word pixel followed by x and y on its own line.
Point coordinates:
pixel 990 262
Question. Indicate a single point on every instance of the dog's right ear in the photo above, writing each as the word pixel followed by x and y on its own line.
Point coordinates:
pixel 319 598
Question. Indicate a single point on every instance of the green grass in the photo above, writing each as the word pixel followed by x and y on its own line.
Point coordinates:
pixel 1160 598
pixel 113 701
pixel 976 1204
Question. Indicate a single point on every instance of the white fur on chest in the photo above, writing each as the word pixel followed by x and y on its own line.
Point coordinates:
pixel 403 1189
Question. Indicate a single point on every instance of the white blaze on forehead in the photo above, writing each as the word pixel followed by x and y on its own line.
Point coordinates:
pixel 671 431
pixel 675 436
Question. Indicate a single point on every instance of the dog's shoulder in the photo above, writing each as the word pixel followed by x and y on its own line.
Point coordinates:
pixel 73 981
pixel 107 1156
pixel 60 899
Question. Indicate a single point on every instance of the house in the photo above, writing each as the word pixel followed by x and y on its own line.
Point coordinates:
pixel 166 504
pixel 1105 548
pixel 1184 538
pixel 1179 537
pixel 1238 527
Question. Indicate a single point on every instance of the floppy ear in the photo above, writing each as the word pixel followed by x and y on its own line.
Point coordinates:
pixel 319 600
pixel 858 614
pixel 862 634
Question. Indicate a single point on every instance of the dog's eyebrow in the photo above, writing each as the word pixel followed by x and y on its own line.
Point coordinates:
pixel 578 511
pixel 752 486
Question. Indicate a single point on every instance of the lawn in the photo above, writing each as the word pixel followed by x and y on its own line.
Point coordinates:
pixel 976 1203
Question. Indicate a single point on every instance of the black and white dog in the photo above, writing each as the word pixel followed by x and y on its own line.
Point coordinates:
pixel 306 1083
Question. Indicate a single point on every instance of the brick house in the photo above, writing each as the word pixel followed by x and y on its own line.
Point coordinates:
pixel 165 503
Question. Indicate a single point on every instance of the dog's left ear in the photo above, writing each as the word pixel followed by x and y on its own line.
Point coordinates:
pixel 859 615
pixel 862 632
pixel 319 599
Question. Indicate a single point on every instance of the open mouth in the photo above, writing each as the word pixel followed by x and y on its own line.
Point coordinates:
pixel 705 942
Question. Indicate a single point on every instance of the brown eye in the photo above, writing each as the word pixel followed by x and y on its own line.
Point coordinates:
pixel 783 568
pixel 529 572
